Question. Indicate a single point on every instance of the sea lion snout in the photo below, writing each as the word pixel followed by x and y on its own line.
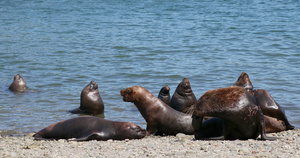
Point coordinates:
pixel 17 77
pixel 244 81
pixel 138 129
pixel 93 85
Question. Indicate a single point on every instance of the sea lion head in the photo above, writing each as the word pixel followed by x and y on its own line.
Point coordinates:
pixel 90 93
pixel 165 90
pixel 184 87
pixel 244 81
pixel 132 131
pixel 93 86
pixel 130 93
pixel 18 84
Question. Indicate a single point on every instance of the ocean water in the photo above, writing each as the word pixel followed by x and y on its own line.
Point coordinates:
pixel 60 46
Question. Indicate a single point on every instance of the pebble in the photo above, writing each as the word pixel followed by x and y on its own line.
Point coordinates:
pixel 180 145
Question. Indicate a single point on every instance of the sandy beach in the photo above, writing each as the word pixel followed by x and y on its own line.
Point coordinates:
pixel 153 146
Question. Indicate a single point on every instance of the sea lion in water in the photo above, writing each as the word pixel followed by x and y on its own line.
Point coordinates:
pixel 164 95
pixel 240 117
pixel 268 106
pixel 90 100
pixel 18 85
pixel 183 99
pixel 160 118
pixel 91 128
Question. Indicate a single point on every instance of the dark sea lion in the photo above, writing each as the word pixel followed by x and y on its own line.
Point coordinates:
pixel 90 100
pixel 240 117
pixel 160 118
pixel 164 95
pixel 91 128
pixel 268 106
pixel 183 99
pixel 18 85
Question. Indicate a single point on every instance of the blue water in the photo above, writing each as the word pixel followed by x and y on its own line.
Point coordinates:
pixel 60 46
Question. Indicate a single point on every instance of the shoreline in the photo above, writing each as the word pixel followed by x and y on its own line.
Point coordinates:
pixel 153 146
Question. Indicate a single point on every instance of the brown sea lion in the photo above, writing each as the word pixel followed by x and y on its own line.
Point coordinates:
pixel 268 106
pixel 91 128
pixel 160 118
pixel 164 95
pixel 90 100
pixel 237 109
pixel 274 125
pixel 18 85
pixel 183 99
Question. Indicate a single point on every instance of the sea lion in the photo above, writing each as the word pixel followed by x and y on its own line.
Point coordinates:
pixel 271 108
pixel 90 100
pixel 268 106
pixel 161 118
pixel 91 128
pixel 18 85
pixel 236 108
pixel 164 95
pixel 183 99
pixel 274 125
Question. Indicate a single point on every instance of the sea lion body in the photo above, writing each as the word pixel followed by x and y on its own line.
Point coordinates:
pixel 90 100
pixel 160 118
pixel 183 99
pixel 164 95
pixel 18 85
pixel 243 119
pixel 91 128
pixel 271 108
pixel 268 106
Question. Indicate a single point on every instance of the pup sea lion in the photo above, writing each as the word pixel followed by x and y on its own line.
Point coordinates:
pixel 243 119
pixel 164 95
pixel 268 106
pixel 91 128
pixel 183 99
pixel 274 125
pixel 160 118
pixel 90 100
pixel 18 85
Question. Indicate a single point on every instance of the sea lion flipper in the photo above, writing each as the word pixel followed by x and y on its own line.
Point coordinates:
pixel 76 111
pixel 290 127
pixel 265 137
pixel 37 136
pixel 92 136
pixel 263 130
